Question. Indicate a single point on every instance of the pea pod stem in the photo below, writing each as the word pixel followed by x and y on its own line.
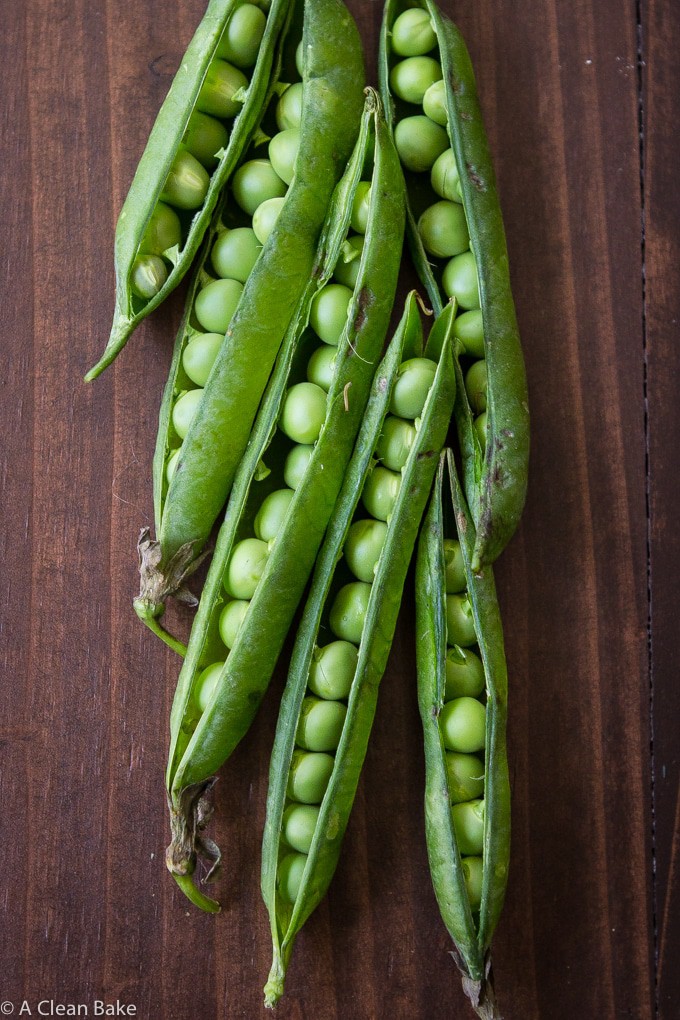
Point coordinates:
pixel 494 478
pixel 164 143
pixel 200 746
pixel 472 939
pixel 376 638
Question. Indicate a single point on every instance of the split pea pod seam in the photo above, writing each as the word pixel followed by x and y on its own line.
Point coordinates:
pixel 462 696
pixel 312 788
pixel 255 583
pixel 220 426
pixel 457 240
pixel 207 119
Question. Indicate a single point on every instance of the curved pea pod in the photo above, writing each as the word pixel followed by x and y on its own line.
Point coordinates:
pixel 494 471
pixel 287 918
pixel 164 144
pixel 470 929
pixel 202 740
pixel 220 429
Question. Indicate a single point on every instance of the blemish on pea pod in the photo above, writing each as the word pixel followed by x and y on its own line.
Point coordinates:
pixel 286 486
pixel 462 695
pixel 347 627
pixel 456 236
pixel 206 121
pixel 217 428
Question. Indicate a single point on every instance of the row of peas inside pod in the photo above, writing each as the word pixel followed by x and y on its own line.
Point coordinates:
pixel 206 136
pixel 423 141
pixel 258 189
pixel 334 664
pixel 302 417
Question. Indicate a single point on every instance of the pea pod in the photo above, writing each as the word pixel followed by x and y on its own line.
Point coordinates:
pixel 220 427
pixel 462 695
pixel 250 615
pixel 294 883
pixel 457 240
pixel 182 126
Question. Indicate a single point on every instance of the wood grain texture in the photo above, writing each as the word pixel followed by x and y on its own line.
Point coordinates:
pixel 88 909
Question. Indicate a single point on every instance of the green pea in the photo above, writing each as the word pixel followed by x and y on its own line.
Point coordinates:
pixel 231 618
pixel 414 379
pixel 444 176
pixel 443 230
pixel 463 725
pixel 199 356
pixel 473 874
pixel 321 367
pixel 348 612
pixel 163 230
pixel 184 410
pixel 396 440
pixel 291 870
pixel 455 566
pixel 469 329
pixel 216 303
pixel 204 137
pixel 465 776
pixel 480 427
pixel 434 103
pixel 283 150
pixel 254 183
pixel 235 253
pixel 347 267
pixel 296 464
pixel 148 276
pixel 332 670
pixel 476 386
pixel 265 217
pixel 363 545
pixel 380 492
pixel 222 81
pixel 413 34
pixel 171 465
pixel 289 107
pixel 460 623
pixel 468 824
pixel 299 823
pixel 419 141
pixel 240 42
pixel 309 776
pixel 205 685
pixel 320 725
pixel 464 674
pixel 328 312
pixel 187 183
pixel 304 412
pixel 245 568
pixel 272 514
pixel 460 280
pixel 361 204
pixel 411 78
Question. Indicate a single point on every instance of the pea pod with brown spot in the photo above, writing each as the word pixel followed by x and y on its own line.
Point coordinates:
pixel 457 240
pixel 241 623
pixel 462 695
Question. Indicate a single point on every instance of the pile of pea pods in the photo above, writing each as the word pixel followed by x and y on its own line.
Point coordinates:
pixel 302 451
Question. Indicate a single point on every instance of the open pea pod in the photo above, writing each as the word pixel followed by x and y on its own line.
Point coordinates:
pixel 216 432
pixel 456 236
pixel 462 695
pixel 206 121
pixel 284 492
pixel 330 698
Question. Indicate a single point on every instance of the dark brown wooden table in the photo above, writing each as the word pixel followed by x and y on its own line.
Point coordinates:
pixel 581 102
